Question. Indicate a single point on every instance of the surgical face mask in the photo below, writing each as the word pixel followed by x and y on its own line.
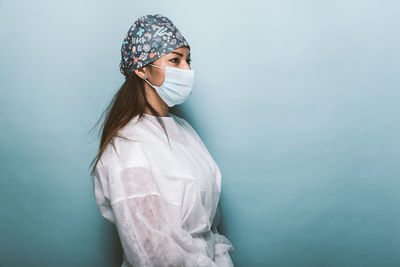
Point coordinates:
pixel 177 85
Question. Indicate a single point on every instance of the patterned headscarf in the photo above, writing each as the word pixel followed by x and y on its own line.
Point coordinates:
pixel 149 38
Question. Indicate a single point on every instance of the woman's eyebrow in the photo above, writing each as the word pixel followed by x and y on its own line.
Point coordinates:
pixel 179 53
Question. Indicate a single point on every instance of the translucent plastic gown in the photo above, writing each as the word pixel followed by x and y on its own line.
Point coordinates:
pixel 163 201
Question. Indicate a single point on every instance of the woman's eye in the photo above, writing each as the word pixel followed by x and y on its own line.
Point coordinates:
pixel 174 60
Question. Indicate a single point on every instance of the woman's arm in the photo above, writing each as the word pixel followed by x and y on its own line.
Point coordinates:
pixel 149 226
pixel 222 245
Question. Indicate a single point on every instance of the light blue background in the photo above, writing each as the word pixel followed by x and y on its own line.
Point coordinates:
pixel 298 102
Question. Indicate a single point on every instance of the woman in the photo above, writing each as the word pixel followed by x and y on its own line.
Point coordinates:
pixel 153 176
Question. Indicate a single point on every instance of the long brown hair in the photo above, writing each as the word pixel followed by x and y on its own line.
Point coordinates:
pixel 130 100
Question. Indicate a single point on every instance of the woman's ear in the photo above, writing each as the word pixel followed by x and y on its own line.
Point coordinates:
pixel 140 72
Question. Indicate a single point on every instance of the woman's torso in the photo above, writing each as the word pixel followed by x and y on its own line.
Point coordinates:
pixel 187 173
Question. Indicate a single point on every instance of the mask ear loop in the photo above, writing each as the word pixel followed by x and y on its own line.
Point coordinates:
pixel 157 66
pixel 144 77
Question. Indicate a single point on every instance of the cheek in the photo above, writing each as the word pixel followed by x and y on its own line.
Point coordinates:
pixel 159 77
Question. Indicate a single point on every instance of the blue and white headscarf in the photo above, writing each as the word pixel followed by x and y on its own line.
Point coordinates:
pixel 149 38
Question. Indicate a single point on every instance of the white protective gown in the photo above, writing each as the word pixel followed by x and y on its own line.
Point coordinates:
pixel 163 201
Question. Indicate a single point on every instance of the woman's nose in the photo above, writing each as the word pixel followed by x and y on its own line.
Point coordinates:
pixel 185 65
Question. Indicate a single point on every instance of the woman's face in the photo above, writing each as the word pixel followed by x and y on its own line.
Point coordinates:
pixel 178 58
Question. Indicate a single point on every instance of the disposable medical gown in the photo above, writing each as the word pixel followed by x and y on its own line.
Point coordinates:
pixel 163 200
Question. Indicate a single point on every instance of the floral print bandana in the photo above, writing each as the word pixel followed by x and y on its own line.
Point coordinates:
pixel 149 38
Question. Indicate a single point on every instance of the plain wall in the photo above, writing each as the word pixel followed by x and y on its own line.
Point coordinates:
pixel 297 101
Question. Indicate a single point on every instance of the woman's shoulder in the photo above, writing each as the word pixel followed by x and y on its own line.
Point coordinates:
pixel 135 141
pixel 123 152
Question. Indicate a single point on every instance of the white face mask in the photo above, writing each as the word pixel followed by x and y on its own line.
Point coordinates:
pixel 177 85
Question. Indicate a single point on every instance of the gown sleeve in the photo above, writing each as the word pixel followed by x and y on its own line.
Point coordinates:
pixel 148 223
pixel 222 244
